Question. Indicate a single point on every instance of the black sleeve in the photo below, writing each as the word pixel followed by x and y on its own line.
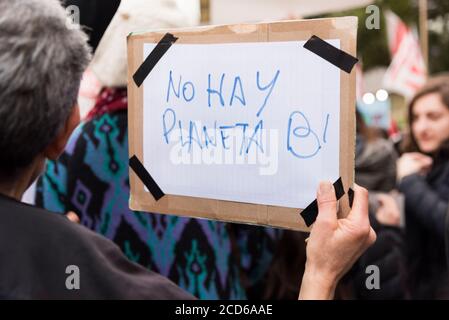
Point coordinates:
pixel 106 273
pixel 45 256
pixel 95 16
pixel 446 238
pixel 388 254
pixel 424 203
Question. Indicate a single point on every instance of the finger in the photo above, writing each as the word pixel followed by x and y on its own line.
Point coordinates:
pixel 380 212
pixel 327 202
pixel 372 237
pixel 415 155
pixel 72 216
pixel 407 156
pixel 381 198
pixel 359 211
pixel 423 159
pixel 386 199
pixel 396 220
pixel 426 162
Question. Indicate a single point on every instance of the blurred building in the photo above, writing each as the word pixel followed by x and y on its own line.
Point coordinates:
pixel 240 11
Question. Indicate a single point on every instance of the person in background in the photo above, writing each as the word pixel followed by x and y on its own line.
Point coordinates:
pixel 423 177
pixel 375 158
pixel 286 269
pixel 375 169
pixel 41 63
pixel 210 259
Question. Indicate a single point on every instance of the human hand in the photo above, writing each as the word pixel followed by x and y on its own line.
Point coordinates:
pixel 72 216
pixel 388 212
pixel 411 163
pixel 335 244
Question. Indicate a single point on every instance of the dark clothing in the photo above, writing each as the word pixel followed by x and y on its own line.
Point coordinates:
pixel 37 247
pixel 375 164
pixel 388 254
pixel 427 198
pixel 426 204
pixel 375 169
pixel 446 239
pixel 91 178
pixel 95 16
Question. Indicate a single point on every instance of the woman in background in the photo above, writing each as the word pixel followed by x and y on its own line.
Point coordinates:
pixel 423 174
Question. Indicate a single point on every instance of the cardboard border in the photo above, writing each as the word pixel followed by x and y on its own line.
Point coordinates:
pixel 344 28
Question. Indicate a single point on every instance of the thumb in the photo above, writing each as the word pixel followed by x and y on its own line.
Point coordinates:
pixel 72 216
pixel 427 161
pixel 327 202
pixel 381 199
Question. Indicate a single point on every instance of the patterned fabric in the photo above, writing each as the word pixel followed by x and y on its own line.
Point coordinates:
pixel 207 258
pixel 110 101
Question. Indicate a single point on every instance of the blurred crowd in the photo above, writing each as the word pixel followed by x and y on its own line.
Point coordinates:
pixel 408 182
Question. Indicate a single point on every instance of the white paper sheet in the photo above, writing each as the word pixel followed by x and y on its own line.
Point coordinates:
pixel 272 135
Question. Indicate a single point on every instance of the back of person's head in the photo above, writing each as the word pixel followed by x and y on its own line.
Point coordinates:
pixel 375 158
pixel 436 85
pixel 42 58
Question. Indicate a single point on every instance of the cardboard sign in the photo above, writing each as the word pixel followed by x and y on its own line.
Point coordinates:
pixel 240 123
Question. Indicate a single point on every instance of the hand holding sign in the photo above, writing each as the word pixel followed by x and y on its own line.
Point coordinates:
pixel 335 244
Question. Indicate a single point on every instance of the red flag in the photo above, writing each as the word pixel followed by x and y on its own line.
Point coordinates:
pixel 407 71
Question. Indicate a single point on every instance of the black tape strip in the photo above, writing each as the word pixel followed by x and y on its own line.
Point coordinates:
pixel 351 196
pixel 154 57
pixel 310 213
pixel 146 178
pixel 328 52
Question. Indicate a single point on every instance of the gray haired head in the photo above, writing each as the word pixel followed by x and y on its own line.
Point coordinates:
pixel 41 64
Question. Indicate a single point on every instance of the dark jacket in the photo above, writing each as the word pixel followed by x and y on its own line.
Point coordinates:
pixel 95 16
pixel 38 248
pixel 388 254
pixel 375 169
pixel 426 204
pixel 446 239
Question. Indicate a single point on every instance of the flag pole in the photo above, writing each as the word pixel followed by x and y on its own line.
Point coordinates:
pixel 423 31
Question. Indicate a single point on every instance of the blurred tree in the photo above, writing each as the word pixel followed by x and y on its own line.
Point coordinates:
pixel 373 46
pixel 438 35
